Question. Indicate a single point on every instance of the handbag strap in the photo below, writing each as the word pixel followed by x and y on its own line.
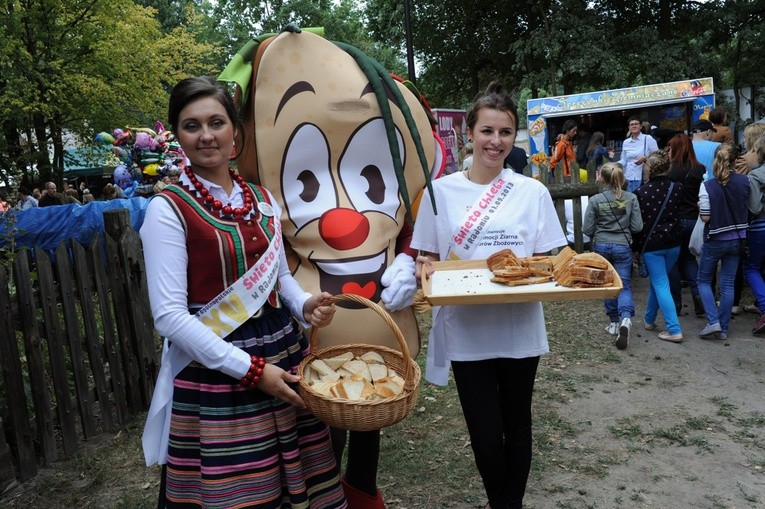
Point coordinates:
pixel 658 216
pixel 626 237
pixel 733 218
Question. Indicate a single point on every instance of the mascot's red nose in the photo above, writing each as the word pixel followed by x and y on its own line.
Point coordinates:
pixel 343 229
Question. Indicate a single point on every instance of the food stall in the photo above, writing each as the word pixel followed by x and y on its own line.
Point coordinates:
pixel 672 106
pixel 451 127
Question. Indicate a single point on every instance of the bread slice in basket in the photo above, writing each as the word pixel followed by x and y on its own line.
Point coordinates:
pixel 362 378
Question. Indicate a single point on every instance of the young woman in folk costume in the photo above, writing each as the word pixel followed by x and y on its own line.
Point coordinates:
pixel 225 420
pixel 346 150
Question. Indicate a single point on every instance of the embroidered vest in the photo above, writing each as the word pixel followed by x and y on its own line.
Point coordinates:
pixel 220 250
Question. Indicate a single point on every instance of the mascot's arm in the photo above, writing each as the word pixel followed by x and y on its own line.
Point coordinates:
pixel 399 282
pixel 398 279
pixel 404 239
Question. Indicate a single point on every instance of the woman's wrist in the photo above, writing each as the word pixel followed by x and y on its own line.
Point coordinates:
pixel 251 379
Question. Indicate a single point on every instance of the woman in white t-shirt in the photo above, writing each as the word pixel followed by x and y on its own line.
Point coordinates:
pixel 494 349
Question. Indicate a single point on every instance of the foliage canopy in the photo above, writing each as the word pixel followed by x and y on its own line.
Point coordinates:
pixel 74 67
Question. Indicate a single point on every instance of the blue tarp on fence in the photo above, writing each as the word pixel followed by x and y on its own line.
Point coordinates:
pixel 47 227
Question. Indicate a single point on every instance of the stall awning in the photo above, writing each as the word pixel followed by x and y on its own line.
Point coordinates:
pixel 619 107
pixel 644 96
pixel 88 161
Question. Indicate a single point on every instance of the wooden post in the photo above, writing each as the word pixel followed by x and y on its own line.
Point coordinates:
pixel 131 254
pixel 16 401
pixel 117 370
pixel 84 277
pixel 115 223
pixel 72 331
pixel 35 363
pixel 54 337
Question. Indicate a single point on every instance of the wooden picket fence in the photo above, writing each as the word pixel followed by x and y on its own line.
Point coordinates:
pixel 78 351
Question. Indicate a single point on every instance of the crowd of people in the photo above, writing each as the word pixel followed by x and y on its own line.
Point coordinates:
pixel 72 194
pixel 687 215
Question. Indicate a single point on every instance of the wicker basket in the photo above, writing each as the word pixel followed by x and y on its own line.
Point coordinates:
pixel 364 415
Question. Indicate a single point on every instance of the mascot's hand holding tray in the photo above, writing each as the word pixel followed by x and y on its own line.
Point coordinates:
pixel 346 151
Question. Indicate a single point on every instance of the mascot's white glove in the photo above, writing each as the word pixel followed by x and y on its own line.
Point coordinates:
pixel 399 282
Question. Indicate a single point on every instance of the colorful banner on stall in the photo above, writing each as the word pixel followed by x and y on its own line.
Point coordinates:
pixel 621 97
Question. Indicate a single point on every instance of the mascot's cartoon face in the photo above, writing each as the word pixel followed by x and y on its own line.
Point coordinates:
pixel 321 149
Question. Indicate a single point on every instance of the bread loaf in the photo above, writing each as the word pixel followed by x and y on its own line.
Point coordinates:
pixel 567 268
pixel 355 378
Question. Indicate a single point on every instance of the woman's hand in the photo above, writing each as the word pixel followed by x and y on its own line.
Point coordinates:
pixel 742 166
pixel 318 311
pixel 274 382
pixel 640 160
pixel 424 262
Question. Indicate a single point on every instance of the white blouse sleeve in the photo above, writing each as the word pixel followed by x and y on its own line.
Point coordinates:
pixel 166 258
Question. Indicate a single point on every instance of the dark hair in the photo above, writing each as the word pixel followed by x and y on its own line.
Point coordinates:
pixel 24 190
pixel 717 116
pixel 682 151
pixel 189 90
pixel 597 139
pixel 568 125
pixel 635 117
pixel 494 97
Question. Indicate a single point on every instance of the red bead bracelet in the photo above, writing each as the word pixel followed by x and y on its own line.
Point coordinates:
pixel 253 375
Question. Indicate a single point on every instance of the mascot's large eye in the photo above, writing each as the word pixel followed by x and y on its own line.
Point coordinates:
pixel 310 186
pixel 366 170
pixel 307 185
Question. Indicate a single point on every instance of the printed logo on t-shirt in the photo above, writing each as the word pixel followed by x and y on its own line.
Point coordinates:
pixel 501 239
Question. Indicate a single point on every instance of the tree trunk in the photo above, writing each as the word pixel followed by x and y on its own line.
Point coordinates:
pixel 40 150
pixel 58 155
pixel 665 20
pixel 13 149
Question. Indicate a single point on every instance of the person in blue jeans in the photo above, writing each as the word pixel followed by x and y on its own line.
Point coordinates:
pixel 756 233
pixel 611 218
pixel 686 171
pixel 660 239
pixel 724 207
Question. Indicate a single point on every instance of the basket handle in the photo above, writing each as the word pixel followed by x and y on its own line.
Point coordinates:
pixel 384 315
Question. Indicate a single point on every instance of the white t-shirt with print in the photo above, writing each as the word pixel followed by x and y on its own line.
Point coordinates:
pixel 528 224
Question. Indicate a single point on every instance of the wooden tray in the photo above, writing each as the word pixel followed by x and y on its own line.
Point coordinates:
pixel 469 282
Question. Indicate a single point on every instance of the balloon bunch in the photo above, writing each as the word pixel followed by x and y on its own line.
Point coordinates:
pixel 145 155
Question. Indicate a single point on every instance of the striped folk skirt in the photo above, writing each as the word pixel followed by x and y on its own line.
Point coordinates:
pixel 231 447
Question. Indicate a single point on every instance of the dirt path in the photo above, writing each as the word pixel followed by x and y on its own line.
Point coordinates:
pixel 660 424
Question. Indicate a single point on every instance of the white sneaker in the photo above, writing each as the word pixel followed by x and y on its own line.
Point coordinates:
pixel 623 338
pixel 613 328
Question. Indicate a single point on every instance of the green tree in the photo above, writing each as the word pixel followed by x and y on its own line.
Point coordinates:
pixel 78 67
pixel 231 23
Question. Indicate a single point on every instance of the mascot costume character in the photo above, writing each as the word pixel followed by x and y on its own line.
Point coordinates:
pixel 346 150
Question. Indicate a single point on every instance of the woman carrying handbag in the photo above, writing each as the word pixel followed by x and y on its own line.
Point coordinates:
pixel 723 206
pixel 611 218
pixel 659 205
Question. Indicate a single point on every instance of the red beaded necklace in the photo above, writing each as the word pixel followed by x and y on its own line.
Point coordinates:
pixel 216 205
